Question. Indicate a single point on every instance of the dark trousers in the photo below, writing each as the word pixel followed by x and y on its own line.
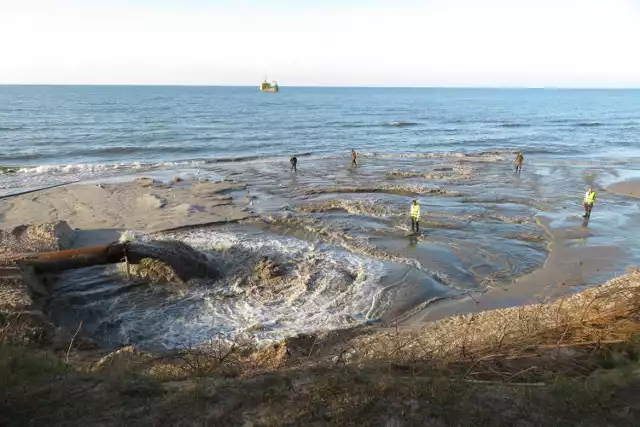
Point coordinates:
pixel 518 168
pixel 587 209
pixel 415 224
pixel 354 163
pixel 294 168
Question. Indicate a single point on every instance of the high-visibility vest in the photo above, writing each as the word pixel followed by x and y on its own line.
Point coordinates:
pixel 590 197
pixel 415 211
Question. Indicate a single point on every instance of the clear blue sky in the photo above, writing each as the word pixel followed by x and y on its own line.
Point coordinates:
pixel 574 43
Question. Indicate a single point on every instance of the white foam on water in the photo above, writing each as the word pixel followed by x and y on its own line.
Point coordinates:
pixel 73 168
pixel 336 289
pixel 52 174
pixel 101 167
pixel 46 175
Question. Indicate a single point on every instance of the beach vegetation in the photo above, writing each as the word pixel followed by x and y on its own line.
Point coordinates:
pixel 572 361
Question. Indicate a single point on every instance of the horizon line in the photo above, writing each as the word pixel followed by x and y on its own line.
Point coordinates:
pixel 321 86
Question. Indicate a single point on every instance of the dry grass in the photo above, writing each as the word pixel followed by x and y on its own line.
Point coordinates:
pixel 534 343
pixel 573 361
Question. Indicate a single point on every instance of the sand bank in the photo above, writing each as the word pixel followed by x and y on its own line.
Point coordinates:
pixel 143 204
pixel 626 188
pixel 570 264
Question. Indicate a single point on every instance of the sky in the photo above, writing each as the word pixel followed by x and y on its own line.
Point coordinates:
pixel 495 43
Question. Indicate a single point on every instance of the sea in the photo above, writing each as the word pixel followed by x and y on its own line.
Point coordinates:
pixel 83 130
pixel 341 230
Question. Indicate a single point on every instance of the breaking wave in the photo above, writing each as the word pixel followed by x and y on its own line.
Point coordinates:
pixel 73 167
pixel 100 167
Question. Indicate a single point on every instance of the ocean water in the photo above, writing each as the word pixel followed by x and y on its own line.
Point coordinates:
pixel 101 125
pixel 340 230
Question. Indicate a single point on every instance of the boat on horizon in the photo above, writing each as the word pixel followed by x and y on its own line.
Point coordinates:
pixel 266 86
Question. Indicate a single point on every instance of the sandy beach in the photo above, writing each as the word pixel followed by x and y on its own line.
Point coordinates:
pixel 142 205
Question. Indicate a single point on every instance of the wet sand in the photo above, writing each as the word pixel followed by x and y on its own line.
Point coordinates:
pixel 629 188
pixel 489 239
pixel 569 267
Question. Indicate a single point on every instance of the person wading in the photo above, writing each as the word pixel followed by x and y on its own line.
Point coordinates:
pixel 518 162
pixel 415 217
pixel 294 164
pixel 589 200
pixel 354 158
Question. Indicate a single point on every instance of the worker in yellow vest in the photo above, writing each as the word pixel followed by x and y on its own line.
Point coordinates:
pixel 589 199
pixel 415 216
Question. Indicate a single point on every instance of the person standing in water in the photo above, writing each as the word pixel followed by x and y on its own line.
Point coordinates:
pixel 415 216
pixel 518 162
pixel 294 164
pixel 589 200
pixel 354 158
